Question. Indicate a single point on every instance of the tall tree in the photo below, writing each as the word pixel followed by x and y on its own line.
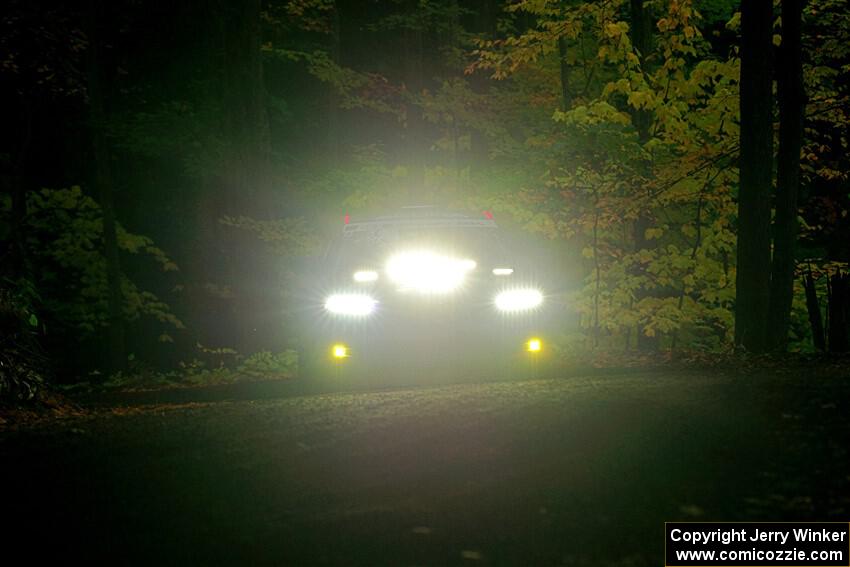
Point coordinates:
pixel 103 184
pixel 563 66
pixel 39 68
pixel 484 25
pixel 640 34
pixel 335 49
pixel 756 176
pixel 246 121
pixel 791 95
pixel 16 265
pixel 414 74
pixel 565 73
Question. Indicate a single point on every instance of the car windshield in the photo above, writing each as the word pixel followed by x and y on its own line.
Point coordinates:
pixel 371 243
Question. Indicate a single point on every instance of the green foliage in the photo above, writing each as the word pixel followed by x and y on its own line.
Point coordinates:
pixel 541 110
pixel 717 11
pixel 266 364
pixel 41 51
pixel 22 364
pixel 649 207
pixel 64 244
pixel 355 89
pixel 221 365
pixel 186 131
pixel 652 217
pixel 286 237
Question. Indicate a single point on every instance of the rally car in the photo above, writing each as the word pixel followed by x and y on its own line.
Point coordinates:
pixel 425 294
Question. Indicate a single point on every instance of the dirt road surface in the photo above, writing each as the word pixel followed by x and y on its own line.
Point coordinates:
pixel 572 471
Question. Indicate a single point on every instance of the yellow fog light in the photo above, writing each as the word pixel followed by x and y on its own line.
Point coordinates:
pixel 534 345
pixel 339 351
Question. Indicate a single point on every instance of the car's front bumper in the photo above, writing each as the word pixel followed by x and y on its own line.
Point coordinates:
pixel 430 342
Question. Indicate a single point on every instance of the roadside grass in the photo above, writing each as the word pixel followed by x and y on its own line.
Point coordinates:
pixel 259 366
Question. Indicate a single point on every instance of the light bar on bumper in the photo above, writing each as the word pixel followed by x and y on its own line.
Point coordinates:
pixel 350 304
pixel 514 300
pixel 365 276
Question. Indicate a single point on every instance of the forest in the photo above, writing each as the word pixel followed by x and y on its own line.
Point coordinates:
pixel 170 171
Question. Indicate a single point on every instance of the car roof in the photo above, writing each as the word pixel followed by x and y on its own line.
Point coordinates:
pixel 420 216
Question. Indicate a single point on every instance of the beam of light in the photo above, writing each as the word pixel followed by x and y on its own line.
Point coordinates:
pixel 339 351
pixel 502 271
pixel 364 276
pixel 534 345
pixel 352 304
pixel 515 300
pixel 428 272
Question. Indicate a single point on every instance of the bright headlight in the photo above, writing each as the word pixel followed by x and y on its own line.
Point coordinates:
pixel 353 304
pixel 428 272
pixel 518 300
pixel 502 271
pixel 363 276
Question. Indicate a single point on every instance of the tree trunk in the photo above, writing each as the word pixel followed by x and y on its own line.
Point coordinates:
pixel 838 307
pixel 756 173
pixel 485 24
pixel 17 265
pixel 640 33
pixel 813 307
pixel 333 129
pixel 103 184
pixel 416 145
pixel 247 180
pixel 565 73
pixel 246 117
pixel 789 77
